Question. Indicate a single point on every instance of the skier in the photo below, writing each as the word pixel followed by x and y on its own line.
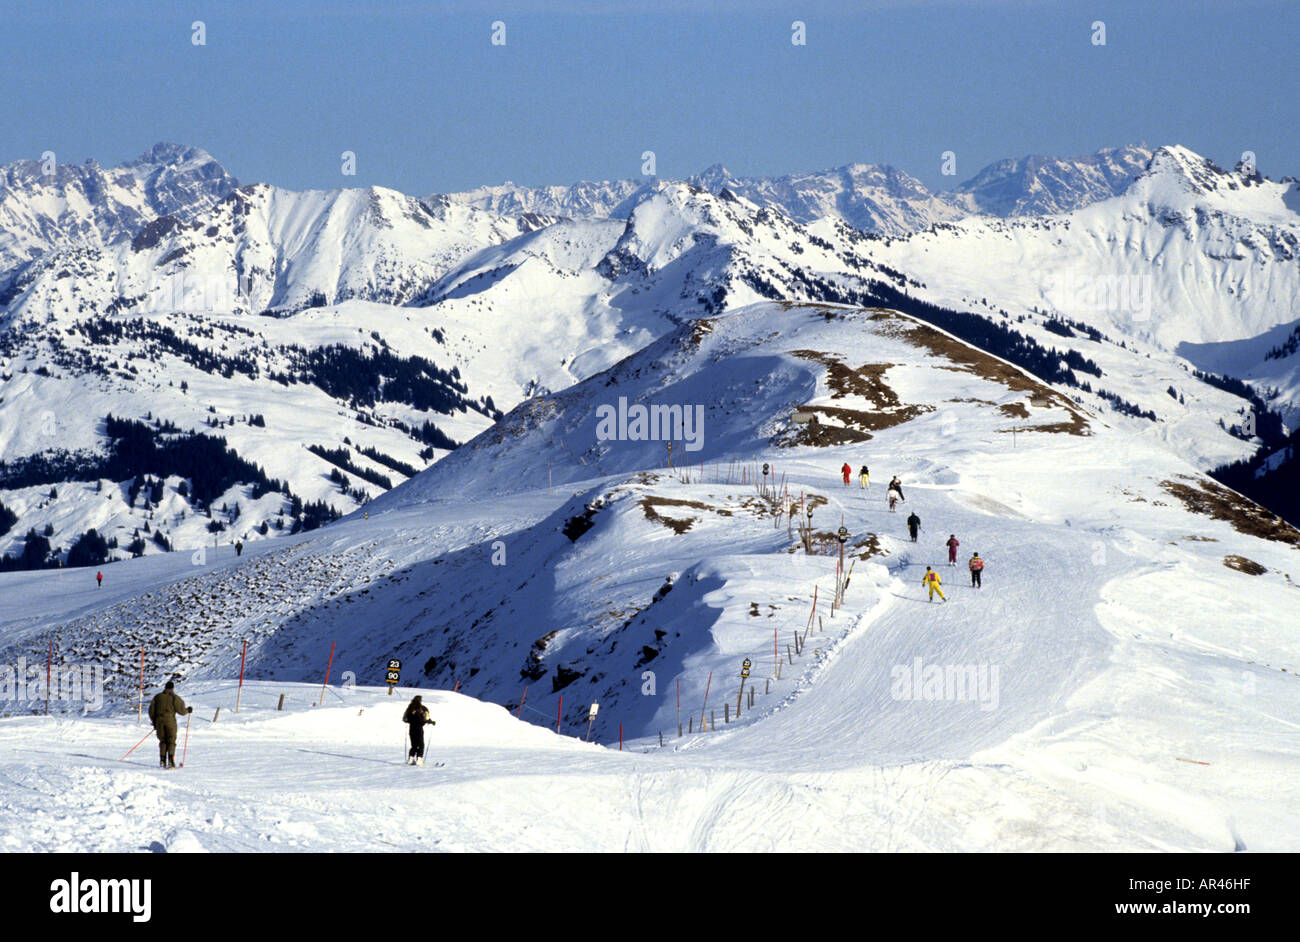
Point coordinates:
pixel 99 580
pixel 896 486
pixel 952 545
pixel 931 579
pixel 864 477
pixel 913 524
pixel 416 718
pixel 893 501
pixel 163 710
pixel 239 547
pixel 846 471
pixel 976 567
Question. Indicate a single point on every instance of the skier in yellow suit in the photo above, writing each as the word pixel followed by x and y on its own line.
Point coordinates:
pixel 931 579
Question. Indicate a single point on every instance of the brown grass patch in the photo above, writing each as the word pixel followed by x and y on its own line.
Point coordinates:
pixel 967 359
pixel 866 381
pixel 1208 497
pixel 1242 564
pixel 1014 410
pixel 650 506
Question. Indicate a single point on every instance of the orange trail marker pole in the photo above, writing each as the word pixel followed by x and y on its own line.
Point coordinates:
pixel 186 751
pixel 328 668
pixel 136 746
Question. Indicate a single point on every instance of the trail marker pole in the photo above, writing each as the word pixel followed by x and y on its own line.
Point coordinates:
pixel 239 696
pixel 679 706
pixel 328 668
pixel 591 715
pixel 186 751
pixel 139 713
pixel 744 675
pixel 136 746
pixel 707 687
pixel 520 712
pixel 559 711
pixel 620 737
pixel 49 664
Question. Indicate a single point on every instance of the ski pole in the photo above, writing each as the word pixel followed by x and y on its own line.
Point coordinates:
pixel 136 746
pixel 186 750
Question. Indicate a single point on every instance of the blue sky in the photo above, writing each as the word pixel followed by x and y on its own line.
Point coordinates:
pixel 581 89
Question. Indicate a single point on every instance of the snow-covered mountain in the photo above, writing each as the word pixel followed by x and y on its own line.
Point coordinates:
pixel 1039 185
pixel 44 205
pixel 874 198
pixel 392 329
pixel 1124 679
pixel 1190 257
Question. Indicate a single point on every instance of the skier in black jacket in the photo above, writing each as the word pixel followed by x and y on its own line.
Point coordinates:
pixel 913 524
pixel 416 718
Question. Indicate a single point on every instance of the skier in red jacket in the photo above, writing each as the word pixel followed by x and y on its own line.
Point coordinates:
pixel 952 545
pixel 99 579
pixel 976 567
pixel 846 472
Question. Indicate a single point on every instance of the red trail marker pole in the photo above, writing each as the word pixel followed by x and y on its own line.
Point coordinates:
pixel 240 695
pixel 559 710
pixel 49 663
pixel 137 745
pixel 706 698
pixel 520 712
pixel 328 668
pixel 620 737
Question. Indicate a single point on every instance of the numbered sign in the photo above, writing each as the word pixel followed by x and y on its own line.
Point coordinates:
pixel 595 708
pixel 744 668
pixel 843 534
pixel 394 671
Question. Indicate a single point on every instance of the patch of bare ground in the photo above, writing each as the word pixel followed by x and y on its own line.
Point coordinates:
pixel 1014 410
pixel 651 505
pixel 867 381
pixel 1208 497
pixel 1242 564
pixel 853 426
pixel 850 426
pixel 1201 539
pixel 967 359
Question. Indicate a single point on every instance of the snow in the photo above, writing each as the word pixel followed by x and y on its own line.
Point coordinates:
pixel 1119 653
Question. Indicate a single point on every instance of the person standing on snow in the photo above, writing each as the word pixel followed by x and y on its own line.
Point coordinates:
pixel 163 710
pixel 913 525
pixel 416 718
pixel 952 545
pixel 893 501
pixel 864 477
pixel 896 486
pixel 846 471
pixel 99 580
pixel 931 579
pixel 239 547
pixel 976 567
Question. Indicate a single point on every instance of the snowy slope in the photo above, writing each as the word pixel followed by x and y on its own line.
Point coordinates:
pixel 1136 633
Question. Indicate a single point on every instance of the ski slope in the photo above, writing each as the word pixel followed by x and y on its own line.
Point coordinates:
pixel 1145 694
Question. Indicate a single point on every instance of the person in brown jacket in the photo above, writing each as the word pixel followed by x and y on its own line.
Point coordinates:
pixel 163 710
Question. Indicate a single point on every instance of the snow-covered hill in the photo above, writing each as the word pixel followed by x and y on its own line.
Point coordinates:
pixel 1123 680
